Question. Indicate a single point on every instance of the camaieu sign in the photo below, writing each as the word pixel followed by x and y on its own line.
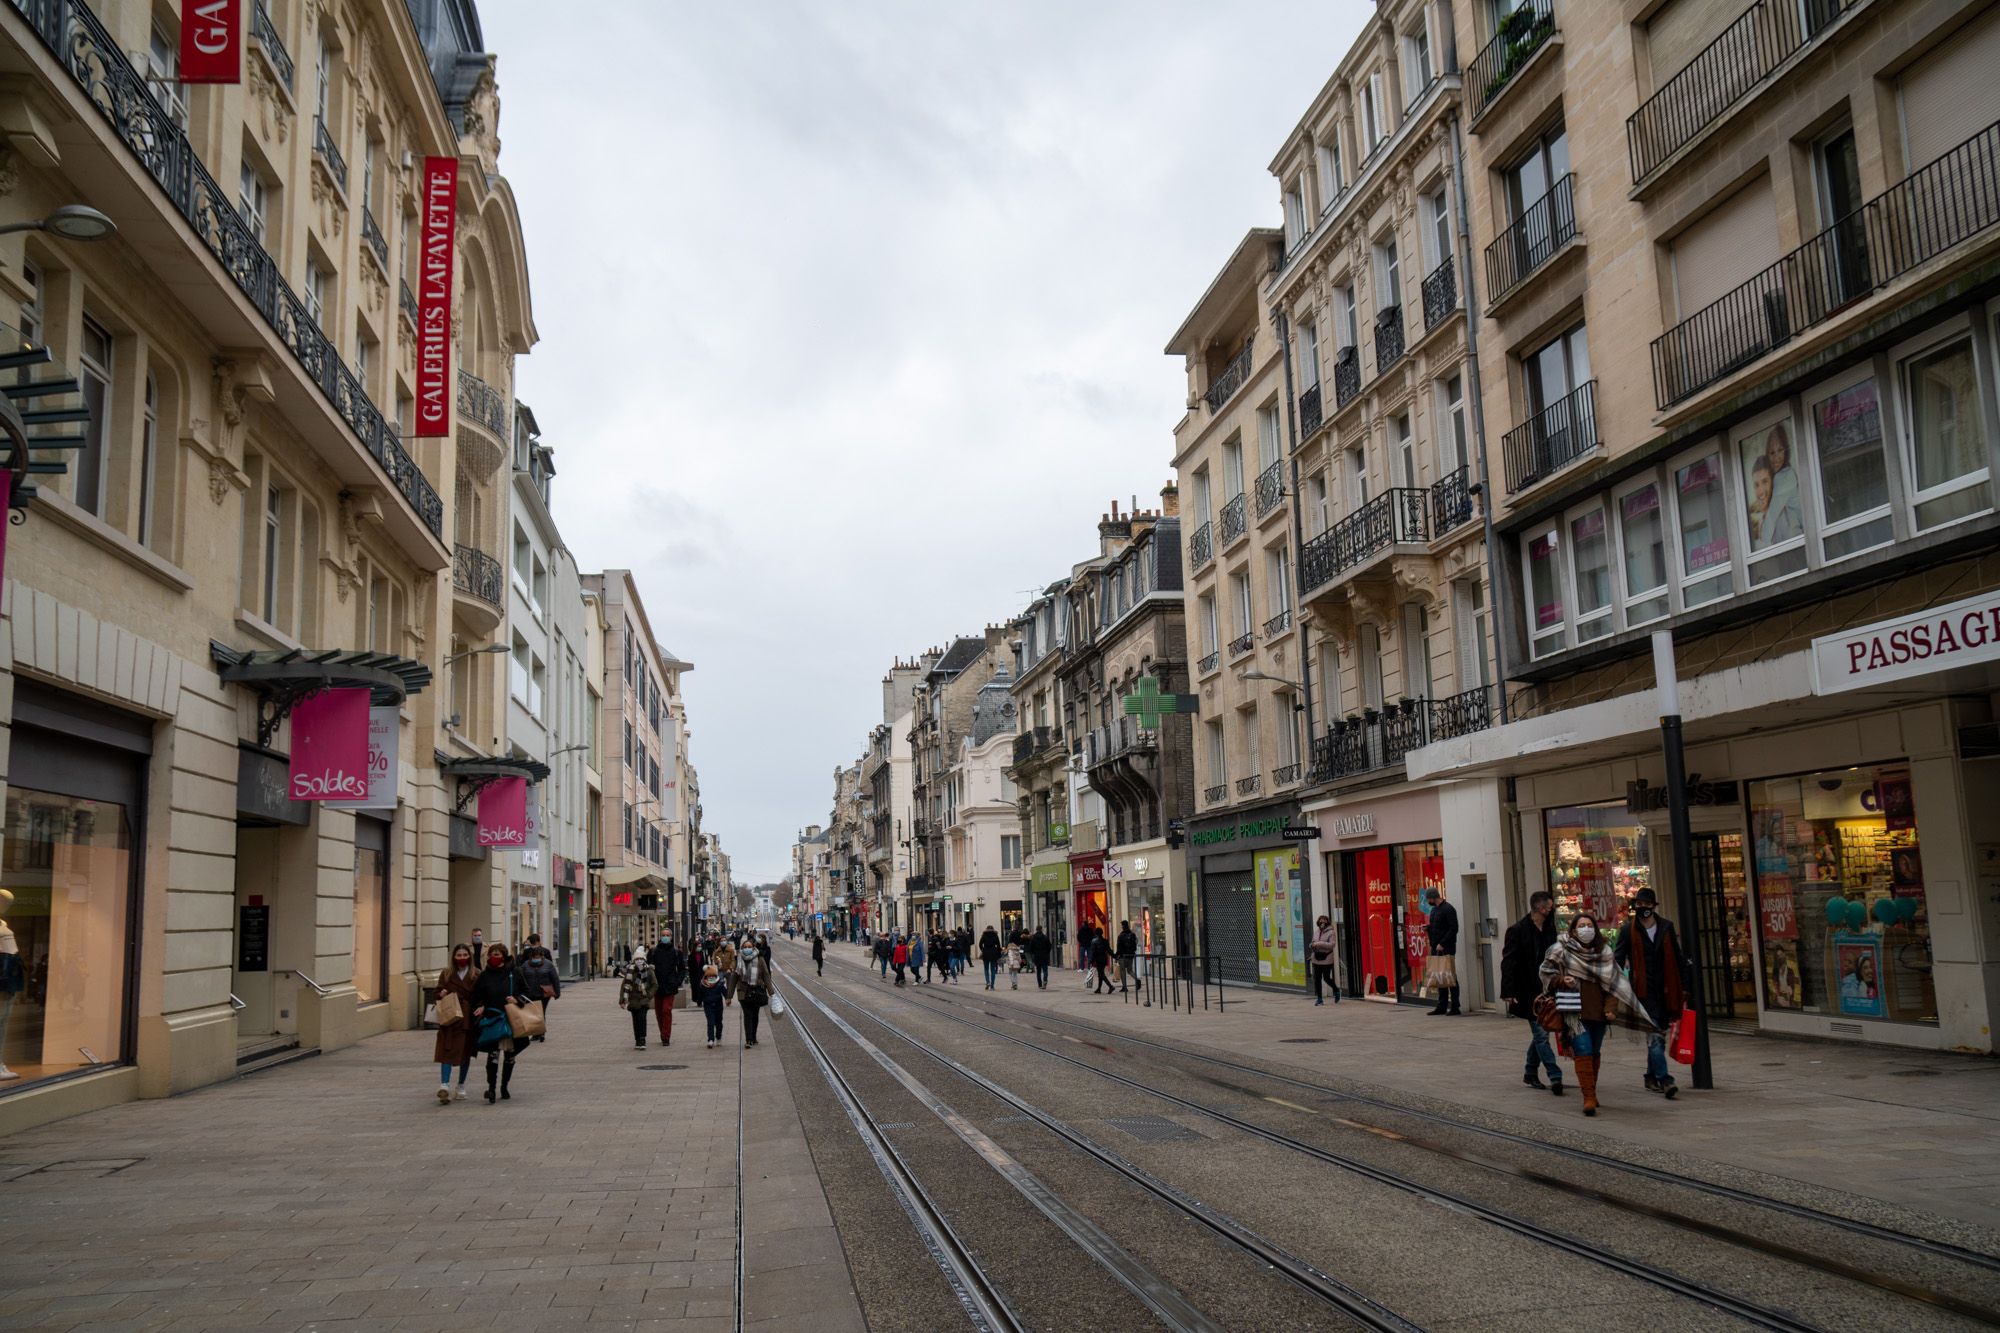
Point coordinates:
pixel 1961 634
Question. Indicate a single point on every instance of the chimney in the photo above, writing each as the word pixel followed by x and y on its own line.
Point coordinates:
pixel 1170 500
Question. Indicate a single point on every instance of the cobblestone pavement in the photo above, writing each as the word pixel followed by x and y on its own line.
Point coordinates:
pixel 336 1192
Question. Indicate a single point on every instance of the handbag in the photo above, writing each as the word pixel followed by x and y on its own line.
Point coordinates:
pixel 777 1006
pixel 1547 1014
pixel 447 1010
pixel 493 1029
pixel 525 1020
pixel 1682 1049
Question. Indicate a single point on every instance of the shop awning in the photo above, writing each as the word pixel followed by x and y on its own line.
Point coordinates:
pixel 283 677
pixel 475 773
pixel 32 409
pixel 629 875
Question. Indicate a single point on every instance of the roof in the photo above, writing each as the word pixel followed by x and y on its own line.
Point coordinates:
pixel 1250 260
pixel 962 654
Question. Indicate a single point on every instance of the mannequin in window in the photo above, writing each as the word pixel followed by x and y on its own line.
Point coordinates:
pixel 13 980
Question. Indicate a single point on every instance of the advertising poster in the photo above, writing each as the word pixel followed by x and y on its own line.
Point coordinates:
pixel 384 721
pixel 1859 962
pixel 1378 922
pixel 330 746
pixel 503 813
pixel 1280 918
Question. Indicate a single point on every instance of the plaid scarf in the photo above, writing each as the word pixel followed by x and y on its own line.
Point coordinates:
pixel 1570 957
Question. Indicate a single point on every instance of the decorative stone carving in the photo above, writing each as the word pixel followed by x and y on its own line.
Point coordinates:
pixel 326 198
pixel 10 170
pixel 274 108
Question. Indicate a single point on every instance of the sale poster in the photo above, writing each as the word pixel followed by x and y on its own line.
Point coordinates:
pixel 1378 923
pixel 1280 918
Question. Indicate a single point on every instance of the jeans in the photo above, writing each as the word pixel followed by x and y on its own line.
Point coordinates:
pixel 1042 976
pixel 713 1013
pixel 1656 1056
pixel 1322 974
pixel 751 1012
pixel 638 1025
pixel 1590 1041
pixel 444 1073
pixel 992 972
pixel 885 967
pixel 1540 1050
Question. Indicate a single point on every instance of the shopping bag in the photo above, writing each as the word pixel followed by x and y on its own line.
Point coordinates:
pixel 777 1005
pixel 1683 1047
pixel 1440 969
pixel 431 1016
pixel 449 1010
pixel 525 1020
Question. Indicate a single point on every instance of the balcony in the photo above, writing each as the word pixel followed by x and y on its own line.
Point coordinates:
pixel 1270 487
pixel 1543 228
pixel 266 33
pixel 1209 663
pixel 1551 440
pixel 1216 794
pixel 1251 785
pixel 1201 546
pixel 1931 210
pixel 1286 776
pixel 1120 737
pixel 1235 519
pixel 480 402
pixel 1232 378
pixel 371 232
pixel 328 154
pixel 1520 35
pixel 1034 741
pixel 1242 643
pixel 1728 70
pixel 1311 418
pixel 1388 338
pixel 1451 502
pixel 478 575
pixel 1440 294
pixel 1379 739
pixel 78 40
pixel 408 300
pixel 1278 624
pixel 1395 517
pixel 1346 377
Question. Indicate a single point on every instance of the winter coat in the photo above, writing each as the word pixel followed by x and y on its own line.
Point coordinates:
pixel 1659 969
pixel 753 981
pixel 1100 950
pixel 538 970
pixel 638 989
pixel 668 968
pixel 1521 955
pixel 901 956
pixel 1128 944
pixel 1039 948
pixel 710 995
pixel 819 949
pixel 916 951
pixel 1444 929
pixel 491 990
pixel 989 946
pixel 882 947
pixel 455 1043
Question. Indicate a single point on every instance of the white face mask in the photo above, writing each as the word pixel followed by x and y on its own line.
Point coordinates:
pixel 1587 934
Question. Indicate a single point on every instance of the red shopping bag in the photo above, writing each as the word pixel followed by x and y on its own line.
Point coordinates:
pixel 1683 1046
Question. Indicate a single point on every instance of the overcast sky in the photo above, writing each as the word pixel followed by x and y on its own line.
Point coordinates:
pixel 851 318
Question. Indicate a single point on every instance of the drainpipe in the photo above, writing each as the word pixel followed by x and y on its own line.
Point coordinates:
pixel 1498 607
pixel 1283 326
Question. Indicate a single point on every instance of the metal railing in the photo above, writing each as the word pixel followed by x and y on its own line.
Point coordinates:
pixel 323 146
pixel 1118 737
pixel 1462 714
pixel 1451 502
pixel 266 33
pixel 408 300
pixel 1031 742
pixel 1440 294
pixel 1543 228
pixel 1235 518
pixel 1219 792
pixel 1381 738
pixel 372 233
pixel 1726 71
pixel 1231 379
pixel 1521 34
pixel 481 402
pixel 1251 785
pixel 1552 439
pixel 1344 750
pixel 1346 377
pixel 1170 980
pixel 1311 414
pixel 1270 487
pixel 1278 624
pixel 73 33
pixel 1201 546
pixel 477 574
pixel 1388 338
pixel 1932 209
pixel 1209 663
pixel 1242 643
pixel 1284 775
pixel 1397 516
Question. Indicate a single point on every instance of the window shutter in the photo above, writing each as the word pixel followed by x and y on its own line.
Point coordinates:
pixel 1951 94
pixel 1732 244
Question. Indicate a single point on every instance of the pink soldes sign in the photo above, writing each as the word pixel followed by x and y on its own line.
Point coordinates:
pixel 503 813
pixel 330 746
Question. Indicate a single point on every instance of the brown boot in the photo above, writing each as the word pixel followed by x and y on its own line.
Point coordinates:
pixel 1586 1078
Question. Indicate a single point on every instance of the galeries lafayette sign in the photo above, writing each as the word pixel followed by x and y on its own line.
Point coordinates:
pixel 1962 634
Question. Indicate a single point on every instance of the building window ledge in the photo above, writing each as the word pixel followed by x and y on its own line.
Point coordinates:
pixel 54 507
pixel 265 632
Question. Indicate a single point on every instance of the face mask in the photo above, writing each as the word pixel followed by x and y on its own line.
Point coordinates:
pixel 1645 911
pixel 1587 934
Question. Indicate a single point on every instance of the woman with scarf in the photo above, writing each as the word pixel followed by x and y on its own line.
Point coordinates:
pixel 455 1039
pixel 496 987
pixel 1581 962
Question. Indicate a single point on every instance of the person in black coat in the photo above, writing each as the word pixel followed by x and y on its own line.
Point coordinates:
pixel 1662 977
pixel 1100 958
pixel 669 971
pixel 1039 949
pixel 989 955
pixel 1444 944
pixel 1128 951
pixel 1528 941
pixel 498 984
pixel 819 955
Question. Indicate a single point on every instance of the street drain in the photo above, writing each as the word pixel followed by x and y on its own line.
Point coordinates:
pixel 1154 1129
pixel 1302 1041
pixel 663 1066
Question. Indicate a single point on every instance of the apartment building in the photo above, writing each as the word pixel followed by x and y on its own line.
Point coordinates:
pixel 1741 265
pixel 888 787
pixel 982 829
pixel 1040 760
pixel 942 710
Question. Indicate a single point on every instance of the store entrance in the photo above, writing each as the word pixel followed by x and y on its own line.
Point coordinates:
pixel 1091 911
pixel 1722 925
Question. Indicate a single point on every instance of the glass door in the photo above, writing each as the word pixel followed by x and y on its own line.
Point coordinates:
pixel 1722 925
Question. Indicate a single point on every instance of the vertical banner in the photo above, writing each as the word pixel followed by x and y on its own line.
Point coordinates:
pixel 503 813
pixel 384 731
pixel 212 41
pixel 330 746
pixel 438 219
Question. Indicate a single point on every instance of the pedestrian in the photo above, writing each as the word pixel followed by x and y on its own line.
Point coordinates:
pixel 538 971
pixel 753 987
pixel 917 956
pixel 455 1039
pixel 1013 967
pixel 1528 941
pixel 962 954
pixel 1128 950
pixel 1442 969
pixel 724 958
pixel 764 946
pixel 636 993
pixel 1651 950
pixel 1084 935
pixel 669 971
pixel 1100 958
pixel 819 955
pixel 711 994
pixel 1322 951
pixel 899 958
pixel 883 950
pixel 497 986
pixel 989 955
pixel 1581 975
pixel 1039 949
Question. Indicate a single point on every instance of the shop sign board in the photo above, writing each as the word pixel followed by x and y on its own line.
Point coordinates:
pixel 1050 878
pixel 1306 834
pixel 1961 634
pixel 438 214
pixel 253 938
pixel 330 746
pixel 384 727
pixel 212 41
pixel 1245 830
pixel 1642 798
pixel 1087 872
pixel 503 813
pixel 1353 826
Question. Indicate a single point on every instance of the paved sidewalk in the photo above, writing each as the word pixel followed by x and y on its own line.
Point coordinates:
pixel 336 1192
pixel 1912 1129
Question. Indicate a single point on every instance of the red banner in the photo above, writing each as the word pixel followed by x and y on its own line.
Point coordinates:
pixel 212 41
pixel 439 224
pixel 503 813
pixel 330 746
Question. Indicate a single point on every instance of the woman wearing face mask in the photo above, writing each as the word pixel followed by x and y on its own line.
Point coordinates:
pixel 495 987
pixel 1581 962
pixel 455 1040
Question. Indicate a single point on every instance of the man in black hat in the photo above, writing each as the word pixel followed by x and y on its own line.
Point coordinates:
pixel 1661 978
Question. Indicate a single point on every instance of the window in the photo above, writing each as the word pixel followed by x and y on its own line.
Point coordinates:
pixel 323 77
pixel 1417 60
pixel 1369 648
pixel 1453 455
pixel 1218 756
pixel 1545 596
pixel 1846 424
pixel 274 529
pixel 1703 528
pixel 31 309
pixel 1202 500
pixel 628 743
pixel 252 199
pixel 149 438
pixel 1530 178
pixel 1232 468
pixel 94 374
pixel 1318 508
pixel 1010 851
pixel 1295 213
pixel 1308 353
pixel 381 634
pixel 362 357
pixel 1286 703
pixel 1642 547
pixel 519 671
pixel 1436 229
pixel 1210 625
pixel 1350 317
pixel 1555 370
pixel 538 585
pixel 1475 667
pixel 1239 589
pixel 1253 747
pixel 1270 445
pixel 368 151
pixel 1416 651
pixel 1948 464
pixel 1357 480
pixel 1406 451
pixel 1773 504
pixel 1327 157
pixel 163 73
pixel 1373 127
pixel 1278 579
pixel 1590 562
pixel 315 293
pixel 1389 270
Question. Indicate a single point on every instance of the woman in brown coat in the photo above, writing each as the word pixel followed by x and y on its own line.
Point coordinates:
pixel 455 1040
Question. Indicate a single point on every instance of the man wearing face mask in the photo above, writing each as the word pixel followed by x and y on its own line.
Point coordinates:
pixel 1651 951
pixel 1528 942
pixel 1444 944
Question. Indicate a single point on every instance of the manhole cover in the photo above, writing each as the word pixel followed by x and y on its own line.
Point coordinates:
pixel 1302 1041
pixel 1154 1129
pixel 663 1066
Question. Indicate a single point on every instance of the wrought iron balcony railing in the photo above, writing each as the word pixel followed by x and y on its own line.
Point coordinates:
pixel 1440 294
pixel 1451 502
pixel 1521 33
pixel 1121 736
pixel 1270 487
pixel 324 147
pixel 79 41
pixel 1235 518
pixel 1311 415
pixel 1552 439
pixel 1543 228
pixel 1383 737
pixel 477 574
pixel 1396 517
pixel 1251 785
pixel 372 233
pixel 1462 714
pixel 481 402
pixel 266 33
pixel 1388 338
pixel 1219 792
pixel 1231 379
pixel 1929 211
pixel 408 300
pixel 1346 377
pixel 1726 71
pixel 1209 663
pixel 1201 546
pixel 1033 741
pixel 1285 775
pixel 1278 624
pixel 1242 643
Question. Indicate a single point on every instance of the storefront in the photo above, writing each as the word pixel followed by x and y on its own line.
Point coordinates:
pixel 568 944
pixel 1251 897
pixel 1380 858
pixel 1088 900
pixel 1138 876
pixel 1048 882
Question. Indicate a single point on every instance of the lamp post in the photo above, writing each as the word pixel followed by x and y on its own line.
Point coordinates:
pixel 72 222
pixel 1667 681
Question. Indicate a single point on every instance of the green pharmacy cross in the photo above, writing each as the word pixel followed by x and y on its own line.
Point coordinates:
pixel 1149 704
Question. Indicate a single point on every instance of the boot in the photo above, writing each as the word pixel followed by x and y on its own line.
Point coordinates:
pixel 1439 1009
pixel 492 1076
pixel 1533 1080
pixel 1586 1077
pixel 1454 1011
pixel 506 1077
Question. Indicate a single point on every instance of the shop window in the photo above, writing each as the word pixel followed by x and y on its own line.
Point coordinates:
pixel 1842 911
pixel 371 909
pixel 1846 423
pixel 1642 554
pixel 1703 528
pixel 1947 439
pixel 1599 856
pixel 1773 514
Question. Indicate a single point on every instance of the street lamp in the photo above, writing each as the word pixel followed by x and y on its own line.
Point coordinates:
pixel 476 652
pixel 72 222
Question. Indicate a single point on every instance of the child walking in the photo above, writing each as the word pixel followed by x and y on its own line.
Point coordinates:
pixel 711 994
